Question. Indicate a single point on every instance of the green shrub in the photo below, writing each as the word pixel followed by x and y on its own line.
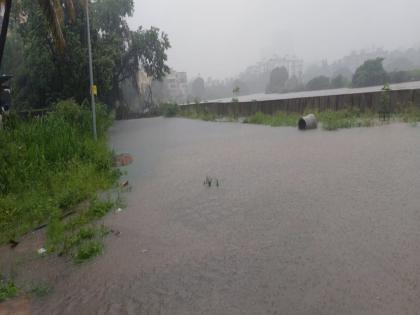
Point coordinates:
pixel 87 251
pixel 346 118
pixel 169 109
pixel 276 120
pixel 202 114
pixel 40 290
pixel 8 290
pixel 410 114
pixel 49 165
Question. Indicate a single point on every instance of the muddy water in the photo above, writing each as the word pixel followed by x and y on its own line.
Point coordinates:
pixel 302 223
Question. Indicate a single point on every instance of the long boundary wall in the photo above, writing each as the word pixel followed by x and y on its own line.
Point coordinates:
pixel 362 101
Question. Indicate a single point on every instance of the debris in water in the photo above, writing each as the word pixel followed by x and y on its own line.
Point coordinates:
pixel 144 251
pixel 118 210
pixel 124 184
pixel 123 160
pixel 308 122
pixel 211 181
pixel 42 251
pixel 116 233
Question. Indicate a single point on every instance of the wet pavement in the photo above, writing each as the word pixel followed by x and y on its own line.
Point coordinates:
pixel 302 223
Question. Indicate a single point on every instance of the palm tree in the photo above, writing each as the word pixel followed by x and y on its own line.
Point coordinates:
pixel 54 13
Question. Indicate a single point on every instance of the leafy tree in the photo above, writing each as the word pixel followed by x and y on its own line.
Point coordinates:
pixel 46 74
pixel 318 83
pixel 53 11
pixel 293 84
pixel 345 72
pixel 370 73
pixel 278 78
pixel 338 82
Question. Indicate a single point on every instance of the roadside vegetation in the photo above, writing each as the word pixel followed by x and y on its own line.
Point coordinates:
pixel 277 120
pixel 329 120
pixel 168 109
pixel 201 114
pixel 347 118
pixel 52 170
pixel 410 114
pixel 8 289
pixel 50 165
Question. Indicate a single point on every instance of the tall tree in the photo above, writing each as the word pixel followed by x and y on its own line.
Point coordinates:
pixel 338 82
pixel 278 78
pixel 319 83
pixel 370 73
pixel 5 8
pixel 119 53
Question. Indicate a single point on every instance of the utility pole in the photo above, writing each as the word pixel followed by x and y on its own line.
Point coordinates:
pixel 92 94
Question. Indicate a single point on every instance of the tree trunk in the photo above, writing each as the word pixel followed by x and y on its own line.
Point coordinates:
pixel 4 27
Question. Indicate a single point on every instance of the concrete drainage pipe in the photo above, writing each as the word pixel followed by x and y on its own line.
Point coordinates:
pixel 307 122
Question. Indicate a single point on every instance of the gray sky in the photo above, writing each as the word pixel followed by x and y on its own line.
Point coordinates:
pixel 219 38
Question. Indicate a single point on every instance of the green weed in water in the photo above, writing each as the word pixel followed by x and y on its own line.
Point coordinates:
pixel 8 290
pixel 87 251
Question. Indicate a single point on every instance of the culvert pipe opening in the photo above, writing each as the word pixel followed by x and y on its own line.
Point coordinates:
pixel 307 122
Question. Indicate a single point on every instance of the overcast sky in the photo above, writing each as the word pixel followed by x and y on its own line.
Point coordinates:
pixel 219 38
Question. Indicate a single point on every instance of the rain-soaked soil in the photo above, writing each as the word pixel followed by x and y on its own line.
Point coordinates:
pixel 301 223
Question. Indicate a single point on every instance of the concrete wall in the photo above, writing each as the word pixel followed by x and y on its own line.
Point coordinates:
pixel 363 101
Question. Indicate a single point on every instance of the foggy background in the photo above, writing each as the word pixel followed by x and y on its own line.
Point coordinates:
pixel 220 38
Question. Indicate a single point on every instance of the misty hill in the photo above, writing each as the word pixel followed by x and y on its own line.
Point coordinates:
pixel 397 60
pixel 255 78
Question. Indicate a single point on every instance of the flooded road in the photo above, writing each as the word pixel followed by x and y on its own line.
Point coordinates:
pixel 302 223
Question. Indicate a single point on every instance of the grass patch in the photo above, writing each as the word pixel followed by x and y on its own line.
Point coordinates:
pixel 40 290
pixel 203 114
pixel 8 290
pixel 333 120
pixel 87 251
pixel 276 120
pixel 410 114
pixel 69 237
pixel 329 120
pixel 200 115
pixel 49 165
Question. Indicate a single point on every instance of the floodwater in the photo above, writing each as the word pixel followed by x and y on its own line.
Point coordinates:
pixel 302 223
pixel 275 96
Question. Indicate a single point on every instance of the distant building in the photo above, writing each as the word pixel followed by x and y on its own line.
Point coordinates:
pixel 293 65
pixel 177 86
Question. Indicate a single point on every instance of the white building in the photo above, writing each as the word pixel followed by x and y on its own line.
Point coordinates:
pixel 176 85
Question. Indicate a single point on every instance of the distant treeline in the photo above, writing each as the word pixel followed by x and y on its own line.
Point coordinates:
pixel 370 73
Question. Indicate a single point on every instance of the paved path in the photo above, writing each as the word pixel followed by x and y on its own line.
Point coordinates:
pixel 302 223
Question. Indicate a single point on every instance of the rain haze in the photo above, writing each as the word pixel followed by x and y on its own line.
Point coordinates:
pixel 210 157
pixel 219 38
